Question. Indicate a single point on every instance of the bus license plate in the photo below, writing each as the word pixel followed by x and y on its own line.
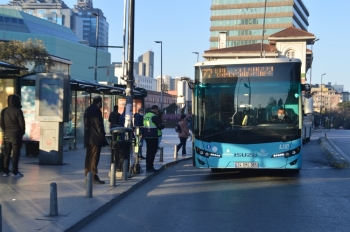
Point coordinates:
pixel 246 165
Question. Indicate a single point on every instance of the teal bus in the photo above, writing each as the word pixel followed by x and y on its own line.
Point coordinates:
pixel 248 114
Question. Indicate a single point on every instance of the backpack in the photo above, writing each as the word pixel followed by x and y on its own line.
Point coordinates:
pixel 177 128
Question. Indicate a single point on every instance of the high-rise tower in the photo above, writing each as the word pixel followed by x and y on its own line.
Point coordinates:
pixel 241 22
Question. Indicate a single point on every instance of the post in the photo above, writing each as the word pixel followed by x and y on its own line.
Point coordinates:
pixel 112 176
pixel 97 22
pixel 0 219
pixel 125 169
pixel 161 73
pixel 321 99
pixel 161 155
pixel 53 200
pixel 175 151
pixel 89 185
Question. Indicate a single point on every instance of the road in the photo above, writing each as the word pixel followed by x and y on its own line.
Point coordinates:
pixel 184 198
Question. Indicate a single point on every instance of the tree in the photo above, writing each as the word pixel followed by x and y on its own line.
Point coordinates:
pixel 171 108
pixel 165 88
pixel 29 54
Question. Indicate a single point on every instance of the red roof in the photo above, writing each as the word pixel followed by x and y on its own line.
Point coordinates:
pixel 292 32
pixel 244 48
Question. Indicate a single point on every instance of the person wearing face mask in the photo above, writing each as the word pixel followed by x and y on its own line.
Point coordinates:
pixel 94 137
pixel 282 116
pixel 138 122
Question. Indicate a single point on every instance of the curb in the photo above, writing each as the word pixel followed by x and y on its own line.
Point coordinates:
pixel 83 222
pixel 333 157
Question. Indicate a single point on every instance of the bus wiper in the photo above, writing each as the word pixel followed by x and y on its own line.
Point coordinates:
pixel 283 137
pixel 238 128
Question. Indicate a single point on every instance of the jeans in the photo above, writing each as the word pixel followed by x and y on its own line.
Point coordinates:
pixel 183 145
pixel 152 147
pixel 92 158
pixel 15 147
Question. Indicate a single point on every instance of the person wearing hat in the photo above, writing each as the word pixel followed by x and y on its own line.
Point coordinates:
pixel 138 122
pixel 151 132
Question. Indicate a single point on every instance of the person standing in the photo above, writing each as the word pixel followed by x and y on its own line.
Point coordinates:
pixel 94 137
pixel 138 122
pixel 114 118
pixel 183 135
pixel 13 126
pixel 151 132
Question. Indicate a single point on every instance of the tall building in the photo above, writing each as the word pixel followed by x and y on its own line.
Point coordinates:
pixel 59 41
pixel 91 18
pixel 81 20
pixel 145 64
pixel 240 22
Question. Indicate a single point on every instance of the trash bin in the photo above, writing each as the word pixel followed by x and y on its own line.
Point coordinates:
pixel 121 140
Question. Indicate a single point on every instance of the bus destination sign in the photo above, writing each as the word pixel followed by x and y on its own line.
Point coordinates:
pixel 236 71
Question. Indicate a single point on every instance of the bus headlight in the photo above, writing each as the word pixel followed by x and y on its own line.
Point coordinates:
pixel 206 154
pixel 287 154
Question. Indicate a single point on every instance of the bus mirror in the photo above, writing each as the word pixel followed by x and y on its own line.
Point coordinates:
pixel 306 88
pixel 308 106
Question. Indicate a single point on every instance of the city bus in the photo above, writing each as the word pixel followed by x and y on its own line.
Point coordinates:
pixel 248 114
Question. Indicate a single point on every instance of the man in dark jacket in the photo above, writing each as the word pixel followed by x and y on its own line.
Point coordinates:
pixel 13 126
pixel 94 137
pixel 151 132
pixel 138 122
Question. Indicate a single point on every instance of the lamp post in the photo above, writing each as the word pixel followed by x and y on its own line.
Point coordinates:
pixel 321 99
pixel 161 73
pixel 97 19
pixel 312 57
pixel 197 55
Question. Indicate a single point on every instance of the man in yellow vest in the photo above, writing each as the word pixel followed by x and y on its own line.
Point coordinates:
pixel 151 132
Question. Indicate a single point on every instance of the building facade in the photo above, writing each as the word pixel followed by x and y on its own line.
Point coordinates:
pixel 241 22
pixel 145 64
pixel 81 19
pixel 325 98
pixel 59 41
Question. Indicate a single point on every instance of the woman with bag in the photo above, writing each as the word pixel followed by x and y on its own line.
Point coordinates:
pixel 183 135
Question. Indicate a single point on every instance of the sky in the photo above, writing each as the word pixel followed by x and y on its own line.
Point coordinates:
pixel 184 27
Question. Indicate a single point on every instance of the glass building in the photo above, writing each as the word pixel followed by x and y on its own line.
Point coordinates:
pixel 81 20
pixel 240 22
pixel 59 41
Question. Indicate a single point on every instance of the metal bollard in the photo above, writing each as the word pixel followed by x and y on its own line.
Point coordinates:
pixel 175 151
pixel 325 135
pixel 53 200
pixel 89 185
pixel 112 176
pixel 161 155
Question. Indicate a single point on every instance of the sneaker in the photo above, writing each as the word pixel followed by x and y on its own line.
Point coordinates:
pixel 17 175
pixel 5 174
pixel 151 170
pixel 141 157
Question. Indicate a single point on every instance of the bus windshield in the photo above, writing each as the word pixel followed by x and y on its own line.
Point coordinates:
pixel 249 104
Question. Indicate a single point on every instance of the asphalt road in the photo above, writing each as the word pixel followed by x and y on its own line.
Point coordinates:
pixel 184 198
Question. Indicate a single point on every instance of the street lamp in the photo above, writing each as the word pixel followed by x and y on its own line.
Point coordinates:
pixel 321 98
pixel 161 73
pixel 97 22
pixel 312 57
pixel 197 55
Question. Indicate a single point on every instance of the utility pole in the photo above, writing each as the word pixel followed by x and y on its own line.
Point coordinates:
pixel 129 94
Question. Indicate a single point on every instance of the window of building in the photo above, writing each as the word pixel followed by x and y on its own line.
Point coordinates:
pixel 290 53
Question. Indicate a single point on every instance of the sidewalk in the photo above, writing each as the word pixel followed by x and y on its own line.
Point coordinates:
pixel 25 201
